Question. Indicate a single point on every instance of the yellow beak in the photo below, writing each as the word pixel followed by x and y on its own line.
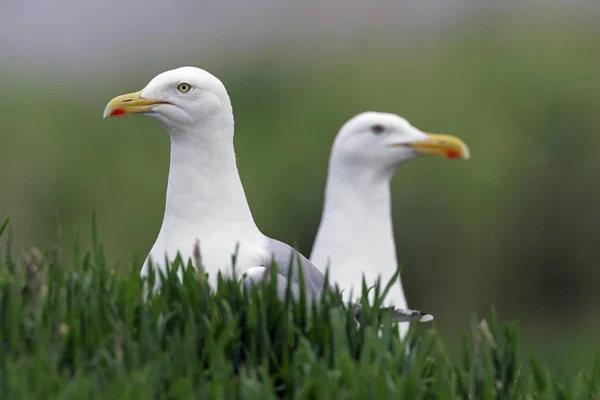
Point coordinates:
pixel 444 145
pixel 130 103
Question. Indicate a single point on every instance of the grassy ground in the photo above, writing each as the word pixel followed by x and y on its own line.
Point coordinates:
pixel 78 329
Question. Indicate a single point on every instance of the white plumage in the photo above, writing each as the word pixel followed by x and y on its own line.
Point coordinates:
pixel 355 236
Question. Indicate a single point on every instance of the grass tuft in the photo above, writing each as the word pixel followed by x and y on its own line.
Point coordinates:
pixel 84 331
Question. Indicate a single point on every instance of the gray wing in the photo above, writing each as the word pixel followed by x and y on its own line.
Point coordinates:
pixel 289 263
pixel 400 315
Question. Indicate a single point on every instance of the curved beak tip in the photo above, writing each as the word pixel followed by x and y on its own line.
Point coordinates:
pixel 131 103
pixel 467 155
pixel 448 146
pixel 114 112
pixel 461 153
pixel 106 112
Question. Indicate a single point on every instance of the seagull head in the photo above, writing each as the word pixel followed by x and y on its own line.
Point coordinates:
pixel 383 141
pixel 178 98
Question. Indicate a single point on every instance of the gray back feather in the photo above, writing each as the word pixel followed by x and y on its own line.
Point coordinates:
pixel 289 262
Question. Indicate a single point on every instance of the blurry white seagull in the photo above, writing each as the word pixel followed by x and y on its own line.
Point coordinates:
pixel 355 237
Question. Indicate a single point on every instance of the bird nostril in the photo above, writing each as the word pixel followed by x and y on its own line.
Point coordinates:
pixel 127 100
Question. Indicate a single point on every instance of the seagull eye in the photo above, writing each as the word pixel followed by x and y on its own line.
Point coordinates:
pixel 377 129
pixel 184 87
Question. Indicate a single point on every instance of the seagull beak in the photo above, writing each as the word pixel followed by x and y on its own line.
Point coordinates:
pixel 444 145
pixel 131 103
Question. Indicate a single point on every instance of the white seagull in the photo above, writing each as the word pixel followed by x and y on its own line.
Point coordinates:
pixel 205 200
pixel 355 237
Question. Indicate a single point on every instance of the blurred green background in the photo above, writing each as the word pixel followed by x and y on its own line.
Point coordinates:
pixel 516 227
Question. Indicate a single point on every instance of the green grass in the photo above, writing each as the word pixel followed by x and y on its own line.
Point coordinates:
pixel 78 329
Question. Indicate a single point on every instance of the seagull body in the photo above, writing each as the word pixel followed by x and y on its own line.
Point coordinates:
pixel 355 238
pixel 205 199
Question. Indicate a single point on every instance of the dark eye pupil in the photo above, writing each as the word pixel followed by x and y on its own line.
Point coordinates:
pixel 377 128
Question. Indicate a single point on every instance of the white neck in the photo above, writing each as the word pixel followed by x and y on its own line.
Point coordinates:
pixel 356 235
pixel 204 185
pixel 205 199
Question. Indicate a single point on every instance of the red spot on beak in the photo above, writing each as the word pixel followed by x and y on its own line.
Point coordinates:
pixel 118 112
pixel 452 154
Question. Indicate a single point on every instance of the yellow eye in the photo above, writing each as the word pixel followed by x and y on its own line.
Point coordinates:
pixel 184 87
